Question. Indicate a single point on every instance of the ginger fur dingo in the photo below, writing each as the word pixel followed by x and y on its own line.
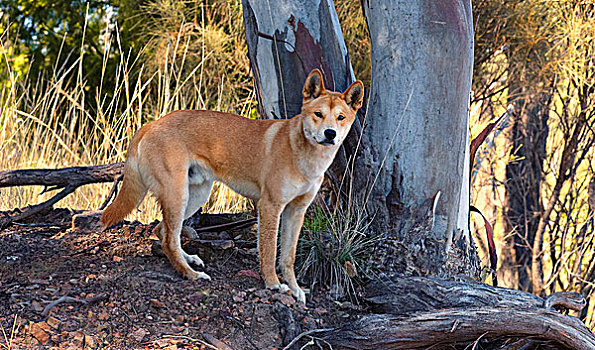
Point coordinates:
pixel 278 163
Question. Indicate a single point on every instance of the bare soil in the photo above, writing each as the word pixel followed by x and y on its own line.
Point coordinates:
pixel 136 298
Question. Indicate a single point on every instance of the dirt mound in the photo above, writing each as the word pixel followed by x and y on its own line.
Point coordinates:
pixel 118 291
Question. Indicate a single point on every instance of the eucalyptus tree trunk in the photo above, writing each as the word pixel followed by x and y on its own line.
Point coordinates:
pixel 418 131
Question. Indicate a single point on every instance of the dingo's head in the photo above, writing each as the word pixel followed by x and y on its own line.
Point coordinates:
pixel 327 115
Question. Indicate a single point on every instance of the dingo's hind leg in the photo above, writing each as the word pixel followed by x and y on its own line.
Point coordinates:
pixel 197 197
pixel 173 205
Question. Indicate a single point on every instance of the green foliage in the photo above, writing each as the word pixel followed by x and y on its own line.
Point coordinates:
pixel 50 36
pixel 334 249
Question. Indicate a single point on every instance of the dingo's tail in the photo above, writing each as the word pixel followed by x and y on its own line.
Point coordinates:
pixel 131 193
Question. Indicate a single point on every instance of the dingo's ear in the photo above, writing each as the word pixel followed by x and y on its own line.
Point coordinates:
pixel 314 86
pixel 354 95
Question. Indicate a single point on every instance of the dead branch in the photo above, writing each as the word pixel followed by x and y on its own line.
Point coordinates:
pixel 112 192
pixel 68 179
pixel 35 209
pixel 67 299
pixel 58 178
pixel 430 329
pixel 304 334
pixel 216 342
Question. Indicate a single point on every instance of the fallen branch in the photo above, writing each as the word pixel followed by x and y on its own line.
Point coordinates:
pixel 35 209
pixel 67 299
pixel 68 179
pixel 58 178
pixel 216 342
pixel 420 312
pixel 307 333
pixel 460 325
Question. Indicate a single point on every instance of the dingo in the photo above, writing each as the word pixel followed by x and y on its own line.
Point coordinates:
pixel 278 163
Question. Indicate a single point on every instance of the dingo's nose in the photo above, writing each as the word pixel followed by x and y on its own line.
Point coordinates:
pixel 330 134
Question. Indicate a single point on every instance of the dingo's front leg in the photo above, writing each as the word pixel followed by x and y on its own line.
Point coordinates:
pixel 293 219
pixel 268 226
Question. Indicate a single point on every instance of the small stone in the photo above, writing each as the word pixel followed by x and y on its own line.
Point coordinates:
pixel 86 221
pixel 195 299
pixel 284 299
pixel 239 297
pixel 223 244
pixel 53 322
pixel 263 293
pixel 248 273
pixel 38 332
pixel 320 310
pixel 36 306
pixel 180 318
pixel 161 343
pixel 156 303
pixel 79 337
pixel 139 334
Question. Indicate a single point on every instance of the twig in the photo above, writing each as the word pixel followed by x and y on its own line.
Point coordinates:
pixel 191 339
pixel 216 342
pixel 67 299
pixel 112 192
pixel 158 276
pixel 303 334
pixel 50 225
pixel 230 225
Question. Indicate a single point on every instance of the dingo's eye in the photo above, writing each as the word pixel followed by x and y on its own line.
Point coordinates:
pixel 340 117
pixel 318 114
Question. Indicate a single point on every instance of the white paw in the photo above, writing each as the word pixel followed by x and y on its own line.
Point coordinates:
pixel 196 275
pixel 194 259
pixel 299 295
pixel 203 276
pixel 281 288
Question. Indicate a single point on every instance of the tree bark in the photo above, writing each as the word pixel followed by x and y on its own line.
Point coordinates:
pixel 286 40
pixel 422 59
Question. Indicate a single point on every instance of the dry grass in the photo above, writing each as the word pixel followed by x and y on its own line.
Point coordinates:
pixel 46 122
pixel 8 339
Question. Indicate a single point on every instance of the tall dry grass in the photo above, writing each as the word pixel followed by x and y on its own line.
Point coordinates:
pixel 46 121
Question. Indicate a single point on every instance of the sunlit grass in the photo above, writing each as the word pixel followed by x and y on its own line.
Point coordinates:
pixel 45 124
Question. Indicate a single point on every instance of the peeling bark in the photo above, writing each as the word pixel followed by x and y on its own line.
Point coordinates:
pixel 286 40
